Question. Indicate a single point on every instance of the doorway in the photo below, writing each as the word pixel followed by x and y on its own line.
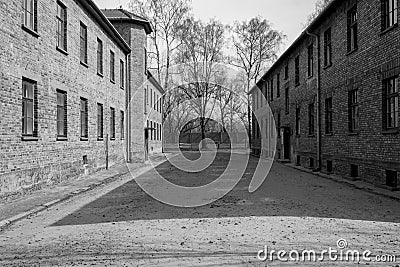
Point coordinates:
pixel 286 143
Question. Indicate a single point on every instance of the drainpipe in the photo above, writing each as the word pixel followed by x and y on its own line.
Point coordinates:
pixel 128 108
pixel 319 135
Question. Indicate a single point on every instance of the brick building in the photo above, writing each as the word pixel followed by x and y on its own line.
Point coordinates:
pixel 335 94
pixel 66 76
pixel 153 109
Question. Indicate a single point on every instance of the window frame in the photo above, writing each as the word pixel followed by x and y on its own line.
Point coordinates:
pixel 100 121
pixel 298 121
pixel 393 97
pixel 310 60
pixel 122 73
pixel 112 123
pixel 62 24
pixel 122 124
pixel 32 26
pixel 112 66
pixel 328 47
pixel 354 111
pixel 83 56
pixel 311 119
pixel 64 108
pixel 389 14
pixel 84 119
pixel 100 57
pixel 29 99
pixel 329 115
pixel 352 29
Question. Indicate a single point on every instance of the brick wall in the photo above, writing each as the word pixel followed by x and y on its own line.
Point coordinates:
pixel 377 57
pixel 30 165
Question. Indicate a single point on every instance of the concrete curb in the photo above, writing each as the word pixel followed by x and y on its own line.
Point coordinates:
pixel 6 223
pixel 363 186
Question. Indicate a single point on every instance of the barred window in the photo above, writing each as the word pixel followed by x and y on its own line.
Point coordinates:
pixel 61 114
pixel 328 47
pixel 352 29
pixel 84 119
pixel 122 125
pixel 353 111
pixel 29 15
pixel 311 119
pixel 391 103
pixel 29 108
pixel 310 60
pixel 112 123
pixel 100 120
pixel 112 66
pixel 328 116
pixel 297 70
pixel 83 44
pixel 389 13
pixel 61 26
pixel 99 57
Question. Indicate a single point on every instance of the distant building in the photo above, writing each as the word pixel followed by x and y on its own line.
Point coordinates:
pixel 335 94
pixel 153 111
pixel 67 76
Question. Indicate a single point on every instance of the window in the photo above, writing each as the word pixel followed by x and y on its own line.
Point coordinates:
pixel 61 114
pixel 83 44
pixel 353 111
pixel 272 89
pixel 389 13
pixel 84 119
pixel 61 26
pixel 328 116
pixel 328 47
pixel 287 104
pixel 29 108
pixel 298 116
pixel 391 103
pixel 311 162
pixel 112 123
pixel 122 125
pixel 100 120
pixel 278 85
pixel 151 130
pixel 122 73
pixel 99 57
pixel 310 60
pixel 30 14
pixel 352 29
pixel 297 70
pixel 311 119
pixel 391 179
pixel 112 66
pixel 287 71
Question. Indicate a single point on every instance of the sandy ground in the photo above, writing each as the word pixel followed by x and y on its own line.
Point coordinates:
pixel 120 225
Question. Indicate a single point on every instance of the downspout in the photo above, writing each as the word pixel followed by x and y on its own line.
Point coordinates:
pixel 128 108
pixel 319 132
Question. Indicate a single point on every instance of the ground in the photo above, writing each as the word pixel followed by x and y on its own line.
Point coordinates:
pixel 120 225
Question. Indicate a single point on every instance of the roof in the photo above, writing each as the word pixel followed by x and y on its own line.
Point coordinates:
pixel 313 25
pixel 155 82
pixel 106 25
pixel 124 15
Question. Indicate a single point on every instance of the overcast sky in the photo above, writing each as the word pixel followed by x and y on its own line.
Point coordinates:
pixel 286 15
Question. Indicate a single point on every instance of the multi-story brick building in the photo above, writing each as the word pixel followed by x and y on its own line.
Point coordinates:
pixel 335 93
pixel 66 75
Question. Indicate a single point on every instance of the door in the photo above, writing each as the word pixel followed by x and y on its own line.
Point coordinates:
pixel 286 143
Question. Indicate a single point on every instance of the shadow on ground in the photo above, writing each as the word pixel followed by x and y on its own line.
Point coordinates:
pixel 286 192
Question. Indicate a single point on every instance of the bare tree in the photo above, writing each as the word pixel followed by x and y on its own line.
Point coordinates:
pixel 319 7
pixel 201 49
pixel 165 17
pixel 256 44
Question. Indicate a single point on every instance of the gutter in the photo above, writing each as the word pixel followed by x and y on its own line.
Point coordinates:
pixel 319 134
